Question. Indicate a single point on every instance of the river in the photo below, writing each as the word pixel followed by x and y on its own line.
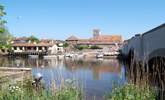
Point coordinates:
pixel 96 76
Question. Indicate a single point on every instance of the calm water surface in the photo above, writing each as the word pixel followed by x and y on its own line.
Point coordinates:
pixel 96 76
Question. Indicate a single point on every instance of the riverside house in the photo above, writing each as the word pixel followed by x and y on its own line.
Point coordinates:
pixel 23 45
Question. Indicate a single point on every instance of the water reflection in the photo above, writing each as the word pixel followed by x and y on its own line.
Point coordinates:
pixel 95 76
pixel 97 67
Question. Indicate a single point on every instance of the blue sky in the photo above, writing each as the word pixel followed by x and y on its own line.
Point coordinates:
pixel 58 19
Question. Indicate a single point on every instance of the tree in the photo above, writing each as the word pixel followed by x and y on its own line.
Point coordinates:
pixel 65 45
pixel 2 13
pixel 33 39
pixel 5 36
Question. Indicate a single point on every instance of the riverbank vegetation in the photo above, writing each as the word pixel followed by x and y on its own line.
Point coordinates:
pixel 132 92
pixel 26 91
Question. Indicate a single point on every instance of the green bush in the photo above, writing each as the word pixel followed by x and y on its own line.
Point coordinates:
pixel 132 92
pixel 2 30
pixel 81 47
pixel 95 47
pixel 65 45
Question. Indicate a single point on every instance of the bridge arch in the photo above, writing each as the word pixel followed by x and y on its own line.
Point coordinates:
pixel 157 53
pixel 156 60
pixel 156 65
pixel 131 55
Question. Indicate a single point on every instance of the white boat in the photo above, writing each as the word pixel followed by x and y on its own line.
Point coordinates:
pixel 69 55
pixel 33 56
pixel 114 53
pixel 99 55
pixel 50 57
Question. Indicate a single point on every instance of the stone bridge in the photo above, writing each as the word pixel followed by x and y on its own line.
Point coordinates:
pixel 147 46
pixel 148 49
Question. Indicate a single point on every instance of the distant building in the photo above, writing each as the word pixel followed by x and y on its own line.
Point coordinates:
pixel 72 40
pixel 56 49
pixel 30 47
pixel 112 42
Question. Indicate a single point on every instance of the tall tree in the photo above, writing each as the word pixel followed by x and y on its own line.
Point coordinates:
pixel 5 36
pixel 2 13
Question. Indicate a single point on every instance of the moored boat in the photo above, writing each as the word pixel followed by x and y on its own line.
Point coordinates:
pixel 50 57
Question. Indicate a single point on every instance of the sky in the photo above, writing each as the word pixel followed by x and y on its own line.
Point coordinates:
pixel 59 19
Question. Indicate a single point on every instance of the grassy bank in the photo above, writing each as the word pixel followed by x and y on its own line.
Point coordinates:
pixel 26 91
pixel 132 92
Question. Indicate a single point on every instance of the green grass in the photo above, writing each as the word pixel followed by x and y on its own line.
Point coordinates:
pixel 132 92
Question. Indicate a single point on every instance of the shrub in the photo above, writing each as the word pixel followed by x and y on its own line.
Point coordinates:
pixel 65 45
pixel 95 47
pixel 81 47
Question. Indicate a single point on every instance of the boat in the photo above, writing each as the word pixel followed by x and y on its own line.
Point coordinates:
pixel 69 55
pixel 99 55
pixel 114 53
pixel 33 56
pixel 50 57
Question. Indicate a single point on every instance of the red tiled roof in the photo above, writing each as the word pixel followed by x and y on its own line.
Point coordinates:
pixel 32 44
pixel 47 41
pixel 101 40
pixel 96 43
pixel 72 38
pixel 20 38
pixel 83 40
pixel 107 38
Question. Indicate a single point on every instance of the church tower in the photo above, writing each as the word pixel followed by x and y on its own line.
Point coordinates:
pixel 96 32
